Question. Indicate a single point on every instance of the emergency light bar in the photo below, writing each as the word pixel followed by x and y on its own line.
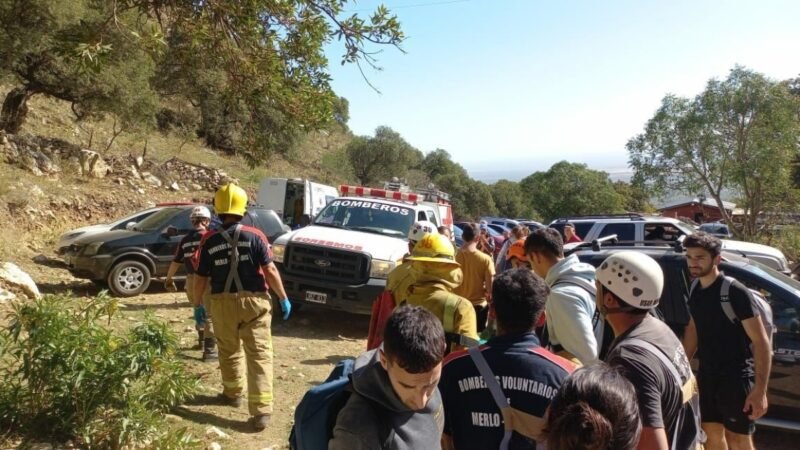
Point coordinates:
pixel 362 191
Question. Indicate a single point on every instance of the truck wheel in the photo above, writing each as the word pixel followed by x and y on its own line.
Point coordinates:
pixel 129 278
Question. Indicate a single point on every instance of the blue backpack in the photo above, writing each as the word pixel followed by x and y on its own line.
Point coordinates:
pixel 315 416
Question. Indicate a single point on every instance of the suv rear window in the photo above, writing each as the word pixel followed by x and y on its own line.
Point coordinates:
pixel 624 231
pixel 581 228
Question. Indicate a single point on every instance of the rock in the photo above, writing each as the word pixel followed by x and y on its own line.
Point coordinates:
pixel 40 259
pixel 92 164
pixel 188 329
pixel 12 275
pixel 138 161
pixel 6 295
pixel 216 433
pixel 196 187
pixel 151 179
pixel 214 446
pixel 174 186
pixel 140 191
pixel 120 181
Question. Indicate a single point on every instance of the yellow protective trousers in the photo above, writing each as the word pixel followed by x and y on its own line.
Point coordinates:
pixel 208 326
pixel 242 321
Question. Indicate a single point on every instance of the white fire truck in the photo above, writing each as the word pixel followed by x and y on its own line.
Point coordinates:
pixel 343 258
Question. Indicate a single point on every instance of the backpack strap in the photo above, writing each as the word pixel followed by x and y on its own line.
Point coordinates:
pixel 596 317
pixel 693 286
pixel 233 271
pixel 688 389
pixel 496 391
pixel 725 299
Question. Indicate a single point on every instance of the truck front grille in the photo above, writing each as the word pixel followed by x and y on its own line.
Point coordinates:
pixel 338 266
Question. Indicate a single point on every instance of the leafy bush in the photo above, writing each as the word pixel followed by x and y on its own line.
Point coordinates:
pixel 66 375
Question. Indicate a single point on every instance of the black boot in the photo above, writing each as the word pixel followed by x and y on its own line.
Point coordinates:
pixel 210 350
pixel 199 340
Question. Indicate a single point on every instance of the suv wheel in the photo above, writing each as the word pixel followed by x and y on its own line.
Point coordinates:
pixel 129 278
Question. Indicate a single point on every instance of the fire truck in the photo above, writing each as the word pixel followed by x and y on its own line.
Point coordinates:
pixel 342 259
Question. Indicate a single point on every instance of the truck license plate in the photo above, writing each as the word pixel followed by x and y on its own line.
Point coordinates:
pixel 316 297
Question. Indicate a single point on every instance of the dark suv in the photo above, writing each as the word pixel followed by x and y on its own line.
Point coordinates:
pixel 127 260
pixel 782 292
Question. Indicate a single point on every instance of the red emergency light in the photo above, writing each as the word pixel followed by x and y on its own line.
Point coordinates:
pixel 361 191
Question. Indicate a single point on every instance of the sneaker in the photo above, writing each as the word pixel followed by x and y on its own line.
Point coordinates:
pixel 223 399
pixel 260 422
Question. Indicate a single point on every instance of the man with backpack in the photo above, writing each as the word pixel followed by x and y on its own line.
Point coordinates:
pixel 496 395
pixel 629 286
pixel 732 344
pixel 574 327
pixel 395 403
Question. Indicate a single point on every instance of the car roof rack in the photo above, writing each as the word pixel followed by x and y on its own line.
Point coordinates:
pixel 613 241
pixel 632 216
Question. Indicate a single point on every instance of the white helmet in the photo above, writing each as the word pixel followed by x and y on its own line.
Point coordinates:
pixel 200 212
pixel 420 229
pixel 634 277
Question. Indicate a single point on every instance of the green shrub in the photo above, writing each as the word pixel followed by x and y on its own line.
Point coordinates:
pixel 66 375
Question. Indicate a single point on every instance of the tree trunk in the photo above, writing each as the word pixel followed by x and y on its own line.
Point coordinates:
pixel 15 109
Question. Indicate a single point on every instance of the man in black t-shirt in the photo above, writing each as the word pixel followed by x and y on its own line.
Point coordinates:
pixel 629 286
pixel 733 373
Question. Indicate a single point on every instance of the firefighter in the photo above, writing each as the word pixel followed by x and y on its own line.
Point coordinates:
pixel 236 261
pixel 200 217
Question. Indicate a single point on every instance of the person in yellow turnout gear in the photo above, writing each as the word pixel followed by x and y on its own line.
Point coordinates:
pixel 235 263
pixel 436 274
pixel 400 278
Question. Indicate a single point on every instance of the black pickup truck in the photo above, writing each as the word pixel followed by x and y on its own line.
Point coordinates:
pixel 127 260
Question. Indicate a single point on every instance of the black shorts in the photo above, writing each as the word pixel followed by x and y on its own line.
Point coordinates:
pixel 722 400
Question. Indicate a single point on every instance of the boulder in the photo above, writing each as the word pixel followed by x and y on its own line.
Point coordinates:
pixel 151 179
pixel 12 275
pixel 92 164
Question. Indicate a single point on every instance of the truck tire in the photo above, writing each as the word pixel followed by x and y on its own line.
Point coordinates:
pixel 128 278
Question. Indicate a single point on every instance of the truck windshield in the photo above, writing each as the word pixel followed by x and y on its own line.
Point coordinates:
pixel 367 215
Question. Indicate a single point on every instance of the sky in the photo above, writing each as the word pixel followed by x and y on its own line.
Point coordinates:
pixel 517 85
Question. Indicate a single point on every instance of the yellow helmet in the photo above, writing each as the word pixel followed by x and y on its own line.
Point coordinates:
pixel 230 199
pixel 434 247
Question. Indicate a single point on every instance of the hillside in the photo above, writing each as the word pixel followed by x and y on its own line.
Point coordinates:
pixel 41 207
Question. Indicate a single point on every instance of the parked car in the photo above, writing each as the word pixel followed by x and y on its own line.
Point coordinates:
pixel 126 222
pixel 639 227
pixel 718 229
pixel 506 224
pixel 127 260
pixel 532 224
pixel 782 292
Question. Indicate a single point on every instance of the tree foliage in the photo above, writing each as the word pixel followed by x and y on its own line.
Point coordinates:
pixel 510 200
pixel 568 189
pixel 256 69
pixel 739 134
pixel 383 156
pixel 635 196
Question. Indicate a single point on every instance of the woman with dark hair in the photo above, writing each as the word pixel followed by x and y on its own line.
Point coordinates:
pixel 595 409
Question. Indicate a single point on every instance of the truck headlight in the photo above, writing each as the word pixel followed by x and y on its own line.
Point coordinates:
pixel 278 251
pixel 381 268
pixel 91 249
